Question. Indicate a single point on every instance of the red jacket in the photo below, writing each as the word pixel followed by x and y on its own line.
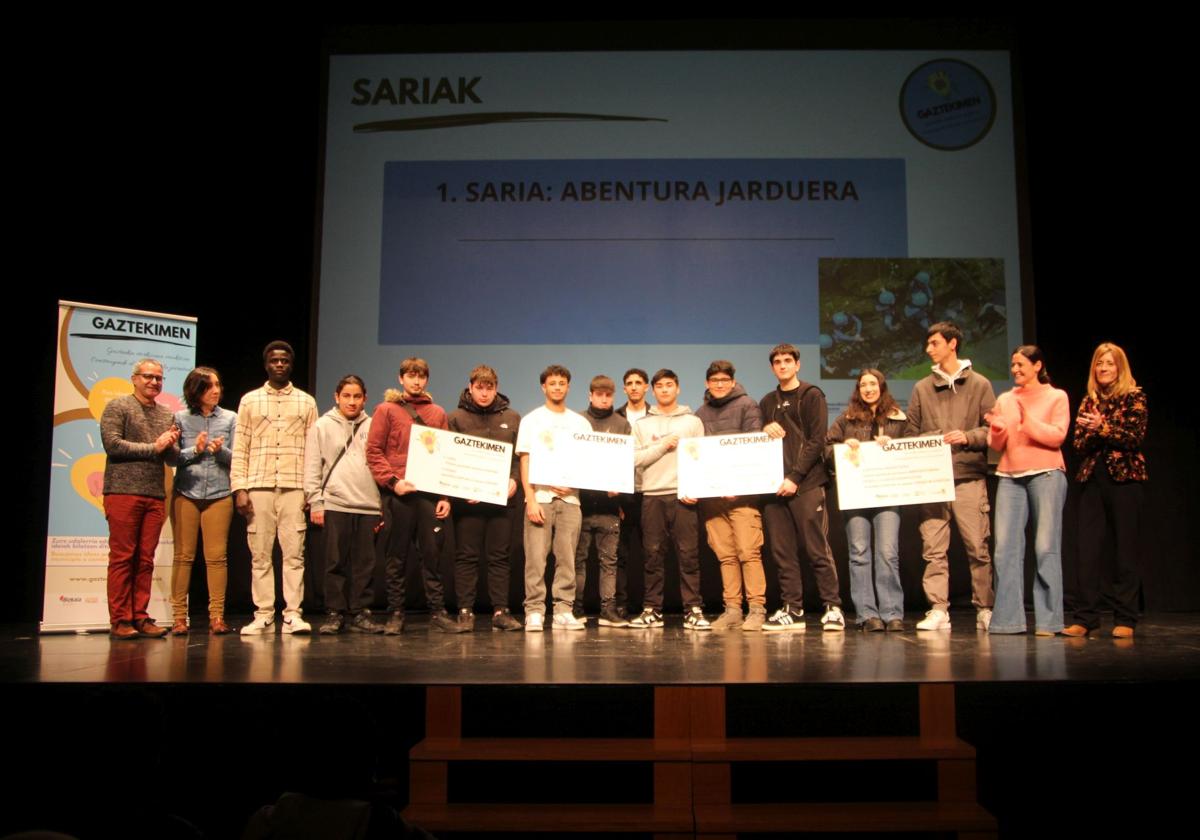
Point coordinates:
pixel 391 427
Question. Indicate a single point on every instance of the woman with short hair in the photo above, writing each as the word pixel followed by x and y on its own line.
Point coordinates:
pixel 201 502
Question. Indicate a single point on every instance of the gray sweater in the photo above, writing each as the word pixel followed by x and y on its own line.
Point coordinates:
pixel 128 430
pixel 657 467
pixel 941 405
pixel 351 487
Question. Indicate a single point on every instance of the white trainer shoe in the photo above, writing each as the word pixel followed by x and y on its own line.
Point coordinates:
pixel 295 624
pixel 833 618
pixel 935 620
pixel 533 622
pixel 983 619
pixel 567 621
pixel 259 627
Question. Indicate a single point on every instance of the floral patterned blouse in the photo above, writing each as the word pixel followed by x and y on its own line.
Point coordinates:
pixel 1118 438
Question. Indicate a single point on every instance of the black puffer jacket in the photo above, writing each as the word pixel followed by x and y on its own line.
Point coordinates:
pixel 733 414
pixel 844 428
pixel 496 422
pixel 597 501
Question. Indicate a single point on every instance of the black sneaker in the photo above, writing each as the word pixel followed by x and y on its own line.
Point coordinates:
pixel 363 622
pixel 334 622
pixel 649 619
pixel 784 620
pixel 503 620
pixel 441 620
pixel 578 611
pixel 466 620
pixel 610 617
pixel 395 624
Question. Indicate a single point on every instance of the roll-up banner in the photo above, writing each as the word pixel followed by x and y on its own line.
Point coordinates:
pixel 96 349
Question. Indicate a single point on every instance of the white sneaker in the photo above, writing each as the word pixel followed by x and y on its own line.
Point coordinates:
pixel 295 624
pixel 935 620
pixel 983 619
pixel 833 618
pixel 694 620
pixel 533 623
pixel 259 626
pixel 567 621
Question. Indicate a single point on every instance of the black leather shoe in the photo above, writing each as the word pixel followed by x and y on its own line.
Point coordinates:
pixel 503 620
pixel 442 621
pixel 364 622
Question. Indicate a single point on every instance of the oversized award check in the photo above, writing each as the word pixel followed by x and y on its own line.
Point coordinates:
pixel 588 461
pixel 729 465
pixel 907 471
pixel 454 464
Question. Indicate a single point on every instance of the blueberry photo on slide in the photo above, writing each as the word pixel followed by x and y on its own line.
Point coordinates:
pixel 874 313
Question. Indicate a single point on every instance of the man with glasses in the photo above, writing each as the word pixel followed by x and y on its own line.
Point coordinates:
pixel 733 523
pixel 139 437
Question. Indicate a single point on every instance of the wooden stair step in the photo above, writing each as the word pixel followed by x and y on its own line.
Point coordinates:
pixel 843 816
pixel 564 818
pixel 551 749
pixel 829 749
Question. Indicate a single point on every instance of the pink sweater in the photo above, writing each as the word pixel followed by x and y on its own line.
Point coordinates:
pixel 1028 426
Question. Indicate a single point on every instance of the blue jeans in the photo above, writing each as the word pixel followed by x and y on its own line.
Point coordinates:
pixel 885 523
pixel 1044 494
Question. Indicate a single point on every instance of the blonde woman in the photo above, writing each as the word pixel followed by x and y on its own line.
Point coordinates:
pixel 1109 430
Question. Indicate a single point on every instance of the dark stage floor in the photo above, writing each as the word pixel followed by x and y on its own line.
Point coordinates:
pixel 1166 647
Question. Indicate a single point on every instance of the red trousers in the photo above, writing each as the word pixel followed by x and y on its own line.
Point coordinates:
pixel 134 523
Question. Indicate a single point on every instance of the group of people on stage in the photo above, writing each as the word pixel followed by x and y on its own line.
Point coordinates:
pixel 282 466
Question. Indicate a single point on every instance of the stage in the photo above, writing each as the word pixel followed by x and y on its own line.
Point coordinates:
pixel 609 730
pixel 1165 648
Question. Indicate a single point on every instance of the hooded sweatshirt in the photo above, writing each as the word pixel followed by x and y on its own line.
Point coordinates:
pixel 391 427
pixel 612 423
pixel 657 473
pixel 350 488
pixel 733 414
pixel 941 403
pixel 495 422
pixel 803 414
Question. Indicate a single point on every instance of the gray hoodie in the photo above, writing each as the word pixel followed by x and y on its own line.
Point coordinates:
pixel 657 473
pixel 351 488
pixel 941 403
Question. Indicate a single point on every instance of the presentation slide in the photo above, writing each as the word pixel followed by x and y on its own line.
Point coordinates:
pixel 614 210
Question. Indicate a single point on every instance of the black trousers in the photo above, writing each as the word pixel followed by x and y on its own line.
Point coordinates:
pixel 1109 512
pixel 631 534
pixel 412 517
pixel 795 522
pixel 474 527
pixel 349 560
pixel 665 518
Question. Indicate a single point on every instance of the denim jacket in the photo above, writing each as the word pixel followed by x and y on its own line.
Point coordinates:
pixel 203 476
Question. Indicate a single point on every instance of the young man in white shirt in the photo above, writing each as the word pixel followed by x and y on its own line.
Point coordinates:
pixel 552 514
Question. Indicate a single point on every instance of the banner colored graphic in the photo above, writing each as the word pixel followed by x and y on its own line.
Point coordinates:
pixel 96 350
